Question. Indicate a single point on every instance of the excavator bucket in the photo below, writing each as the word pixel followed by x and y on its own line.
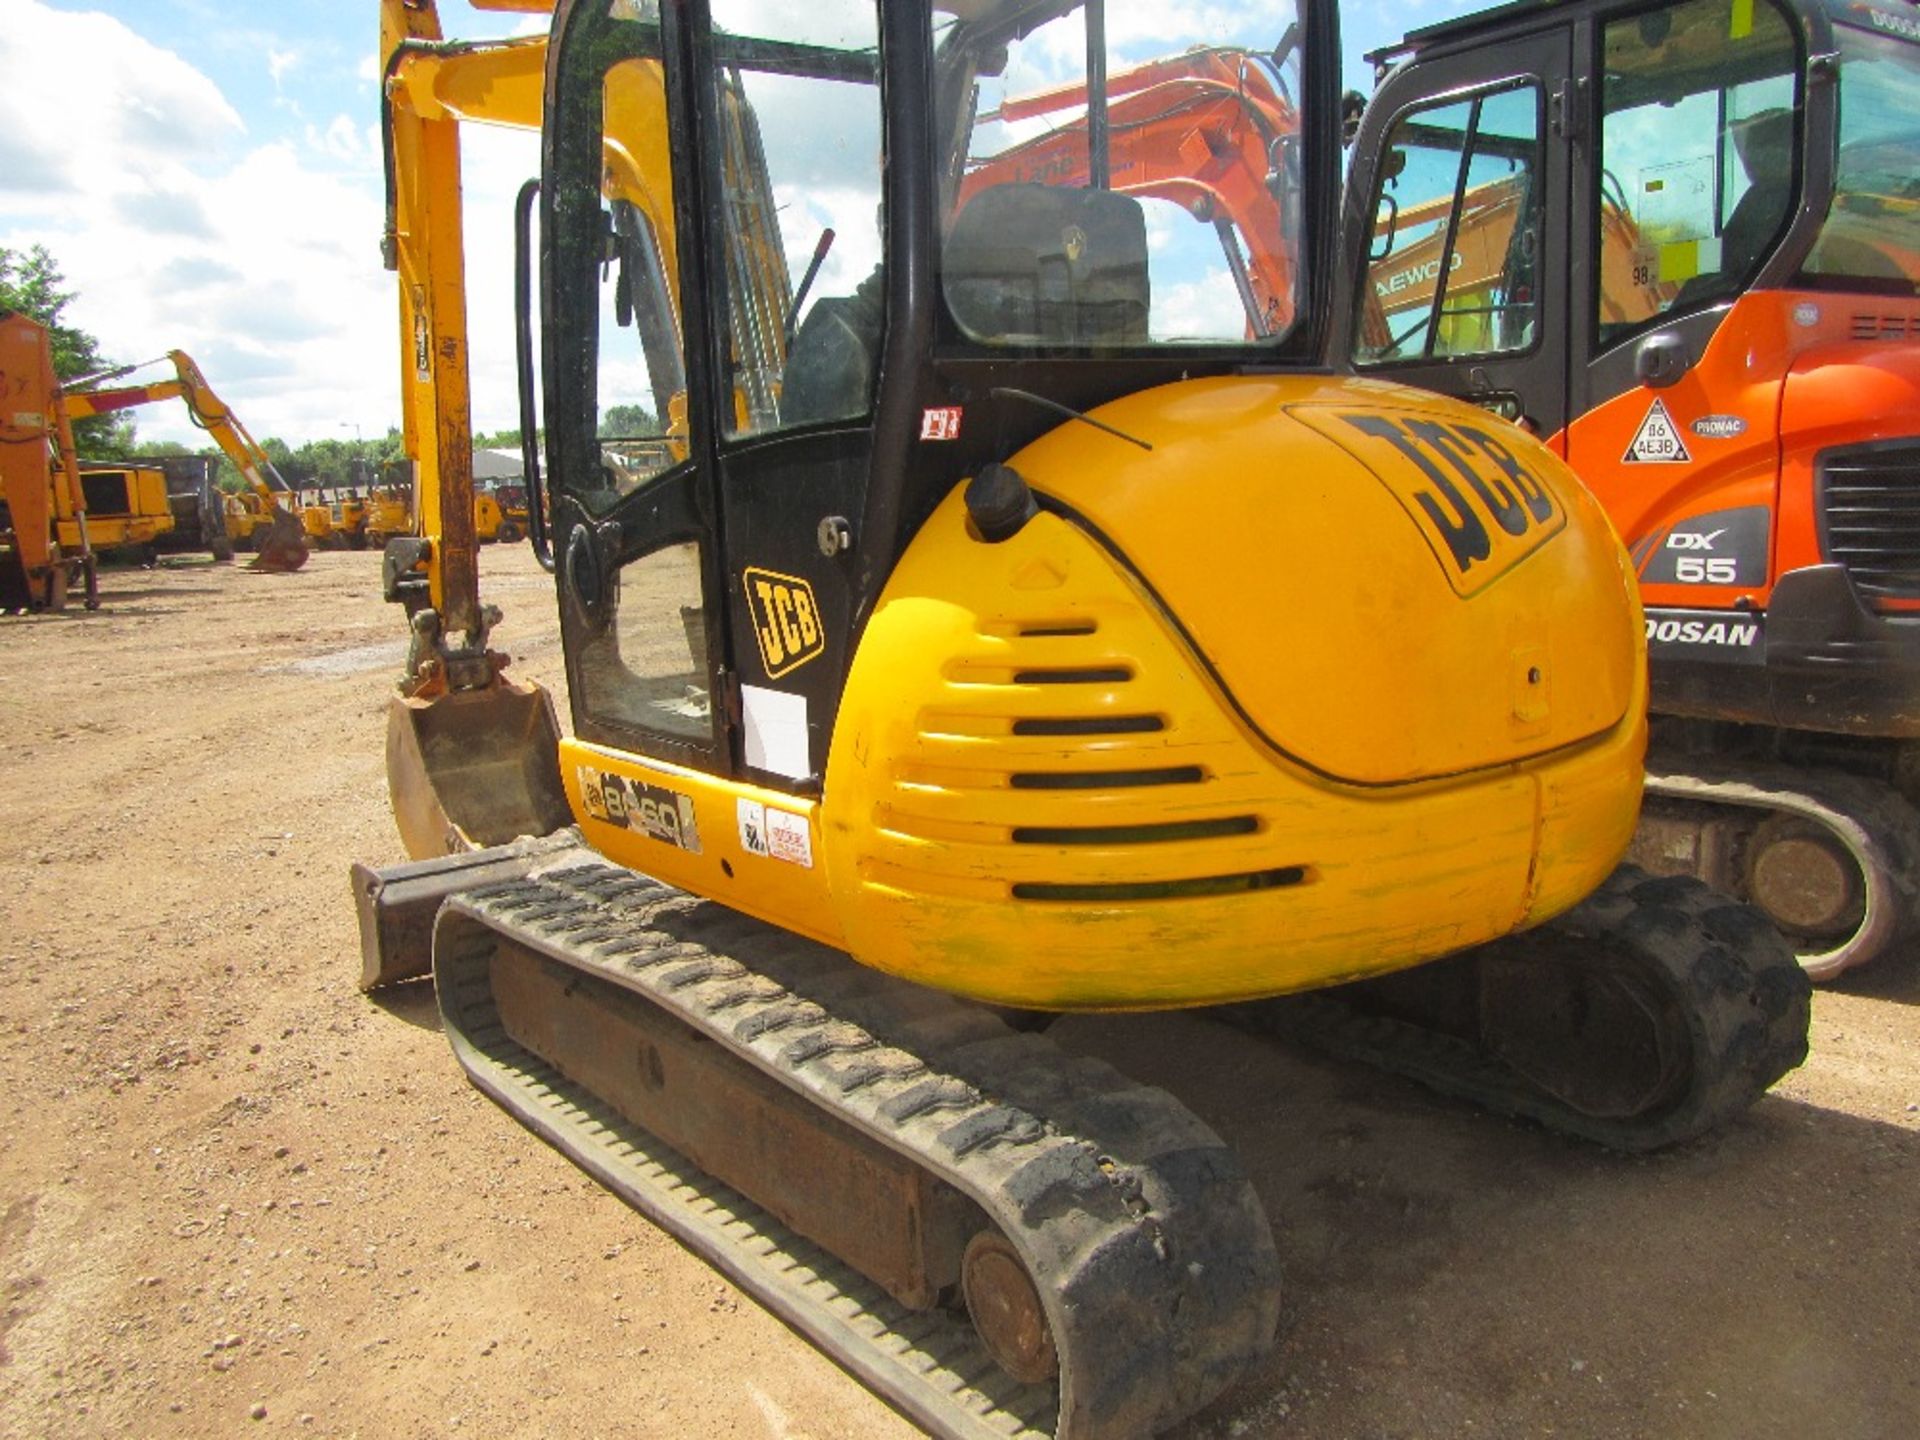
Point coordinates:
pixel 474 768
pixel 284 547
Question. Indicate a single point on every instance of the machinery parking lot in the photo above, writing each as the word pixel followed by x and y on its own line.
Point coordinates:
pixel 235 1187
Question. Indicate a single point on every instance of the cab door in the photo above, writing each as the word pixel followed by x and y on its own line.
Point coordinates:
pixel 1457 232
pixel 711 199
pixel 790 140
pixel 635 518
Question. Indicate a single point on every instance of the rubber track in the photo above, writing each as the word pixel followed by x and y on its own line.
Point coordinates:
pixel 1747 1001
pixel 1877 825
pixel 1147 1244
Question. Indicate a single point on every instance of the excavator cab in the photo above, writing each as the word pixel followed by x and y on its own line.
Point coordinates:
pixel 868 545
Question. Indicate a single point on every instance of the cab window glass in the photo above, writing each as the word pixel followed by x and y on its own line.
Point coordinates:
pixel 1455 236
pixel 798 140
pixel 638 635
pixel 1178 227
pixel 639 366
pixel 1871 238
pixel 642 660
pixel 1697 156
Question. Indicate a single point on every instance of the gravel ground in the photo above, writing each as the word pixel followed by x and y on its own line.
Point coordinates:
pixel 236 1195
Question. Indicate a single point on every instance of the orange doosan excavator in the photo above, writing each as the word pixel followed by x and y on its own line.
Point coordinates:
pixel 1701 287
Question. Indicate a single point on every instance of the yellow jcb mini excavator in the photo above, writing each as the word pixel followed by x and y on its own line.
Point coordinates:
pixel 283 546
pixel 994 621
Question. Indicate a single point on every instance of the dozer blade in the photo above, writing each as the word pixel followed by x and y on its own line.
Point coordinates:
pixel 397 904
pixel 284 547
pixel 474 768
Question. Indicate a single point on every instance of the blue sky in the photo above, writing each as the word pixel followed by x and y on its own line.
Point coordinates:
pixel 208 175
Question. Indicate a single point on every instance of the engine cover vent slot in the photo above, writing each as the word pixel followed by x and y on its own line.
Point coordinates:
pixel 1104 675
pixel 1200 886
pixel 1162 834
pixel 1884 327
pixel 1869 498
pixel 1107 779
pixel 1090 725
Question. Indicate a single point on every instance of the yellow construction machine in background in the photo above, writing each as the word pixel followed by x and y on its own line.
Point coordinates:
pixel 284 548
pixel 490 523
pixel 389 513
pixel 127 511
pixel 40 487
pixel 249 519
pixel 1014 612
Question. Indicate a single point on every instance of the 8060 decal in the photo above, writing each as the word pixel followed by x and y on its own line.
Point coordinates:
pixel 664 814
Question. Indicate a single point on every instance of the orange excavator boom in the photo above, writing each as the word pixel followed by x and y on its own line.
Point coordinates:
pixel 1208 131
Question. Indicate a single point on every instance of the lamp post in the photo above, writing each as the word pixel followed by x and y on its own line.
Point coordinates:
pixel 359 479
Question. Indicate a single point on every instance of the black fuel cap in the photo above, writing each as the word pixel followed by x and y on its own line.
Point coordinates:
pixel 999 502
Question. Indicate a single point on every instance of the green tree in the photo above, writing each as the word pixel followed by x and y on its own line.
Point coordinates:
pixel 628 420
pixel 31 283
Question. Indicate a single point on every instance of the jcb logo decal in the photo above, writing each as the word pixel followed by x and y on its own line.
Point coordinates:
pixel 786 621
pixel 1480 508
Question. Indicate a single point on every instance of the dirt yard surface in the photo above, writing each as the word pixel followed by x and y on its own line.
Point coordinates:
pixel 238 1197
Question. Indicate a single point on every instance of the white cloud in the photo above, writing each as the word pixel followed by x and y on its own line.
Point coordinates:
pixel 346 141
pixel 259 259
pixel 280 62
pixel 1198 310
pixel 122 111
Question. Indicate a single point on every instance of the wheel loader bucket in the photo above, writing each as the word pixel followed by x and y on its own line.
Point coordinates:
pixel 474 768
pixel 283 547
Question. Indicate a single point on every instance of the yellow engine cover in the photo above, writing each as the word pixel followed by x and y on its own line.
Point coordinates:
pixel 1334 679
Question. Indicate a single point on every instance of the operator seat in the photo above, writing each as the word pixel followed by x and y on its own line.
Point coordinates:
pixel 1043 265
pixel 1049 265
pixel 829 373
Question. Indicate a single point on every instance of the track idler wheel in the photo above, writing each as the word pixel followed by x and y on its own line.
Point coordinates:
pixel 1649 1014
pixel 1006 1310
pixel 1805 880
pixel 1831 859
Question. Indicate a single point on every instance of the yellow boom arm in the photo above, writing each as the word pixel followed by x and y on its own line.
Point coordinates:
pixel 430 88
pixel 285 548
